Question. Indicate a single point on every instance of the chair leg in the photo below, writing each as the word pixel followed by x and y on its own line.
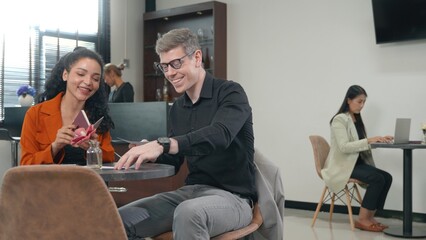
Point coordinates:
pixel 357 193
pixel 14 149
pixel 348 199
pixel 320 202
pixel 332 207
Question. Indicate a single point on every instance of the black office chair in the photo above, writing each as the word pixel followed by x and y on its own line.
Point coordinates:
pixel 11 129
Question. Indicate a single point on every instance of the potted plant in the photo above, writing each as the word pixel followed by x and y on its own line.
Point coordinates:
pixel 26 95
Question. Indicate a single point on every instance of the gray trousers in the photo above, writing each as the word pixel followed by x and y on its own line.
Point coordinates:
pixel 193 212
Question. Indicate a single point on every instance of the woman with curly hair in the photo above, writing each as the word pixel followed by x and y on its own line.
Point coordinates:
pixel 75 84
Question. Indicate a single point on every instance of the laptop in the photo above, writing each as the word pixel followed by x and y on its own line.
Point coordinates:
pixel 402 131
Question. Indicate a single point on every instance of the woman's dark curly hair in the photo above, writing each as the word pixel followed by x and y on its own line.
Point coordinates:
pixel 97 105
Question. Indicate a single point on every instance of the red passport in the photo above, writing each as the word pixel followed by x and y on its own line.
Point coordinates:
pixel 84 129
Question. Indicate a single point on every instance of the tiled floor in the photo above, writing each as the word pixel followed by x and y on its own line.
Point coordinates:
pixel 297 225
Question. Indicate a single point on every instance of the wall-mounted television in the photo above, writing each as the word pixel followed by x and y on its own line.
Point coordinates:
pixel 399 20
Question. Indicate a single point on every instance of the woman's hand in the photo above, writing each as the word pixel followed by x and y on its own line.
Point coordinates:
pixel 63 137
pixel 388 138
pixel 85 144
pixel 380 139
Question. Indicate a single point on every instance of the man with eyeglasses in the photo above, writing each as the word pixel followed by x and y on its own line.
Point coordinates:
pixel 211 127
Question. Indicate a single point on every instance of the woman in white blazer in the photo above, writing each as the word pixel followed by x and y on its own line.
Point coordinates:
pixel 350 157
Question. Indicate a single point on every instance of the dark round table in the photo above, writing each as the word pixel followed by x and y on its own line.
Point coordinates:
pixel 146 171
pixel 406 230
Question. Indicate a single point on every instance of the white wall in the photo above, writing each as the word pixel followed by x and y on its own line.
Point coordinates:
pixel 126 40
pixel 296 59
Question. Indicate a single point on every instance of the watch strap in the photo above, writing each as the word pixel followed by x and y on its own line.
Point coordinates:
pixel 165 142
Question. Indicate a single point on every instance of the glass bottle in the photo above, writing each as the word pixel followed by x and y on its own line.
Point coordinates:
pixel 424 133
pixel 200 34
pixel 207 60
pixel 158 95
pixel 165 91
pixel 94 155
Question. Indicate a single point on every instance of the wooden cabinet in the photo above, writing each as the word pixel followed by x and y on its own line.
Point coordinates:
pixel 207 20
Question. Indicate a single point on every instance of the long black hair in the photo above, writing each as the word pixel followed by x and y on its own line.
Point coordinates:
pixel 353 92
pixel 97 105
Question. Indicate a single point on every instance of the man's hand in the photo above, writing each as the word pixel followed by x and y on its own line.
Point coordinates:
pixel 139 154
pixel 143 141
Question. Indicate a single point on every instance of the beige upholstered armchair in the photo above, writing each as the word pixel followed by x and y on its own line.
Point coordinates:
pixel 53 202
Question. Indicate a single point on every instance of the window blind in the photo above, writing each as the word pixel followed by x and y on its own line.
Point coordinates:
pixel 29 50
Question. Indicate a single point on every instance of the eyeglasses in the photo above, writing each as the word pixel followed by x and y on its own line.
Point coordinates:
pixel 175 64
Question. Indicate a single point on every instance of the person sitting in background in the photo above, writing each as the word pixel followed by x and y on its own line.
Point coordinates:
pixel 211 126
pixel 123 90
pixel 350 157
pixel 74 84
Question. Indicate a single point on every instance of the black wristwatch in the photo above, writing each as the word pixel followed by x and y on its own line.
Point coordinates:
pixel 165 142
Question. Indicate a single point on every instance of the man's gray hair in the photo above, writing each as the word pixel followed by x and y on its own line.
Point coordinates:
pixel 182 37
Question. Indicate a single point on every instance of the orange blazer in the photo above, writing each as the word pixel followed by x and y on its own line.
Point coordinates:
pixel 41 124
